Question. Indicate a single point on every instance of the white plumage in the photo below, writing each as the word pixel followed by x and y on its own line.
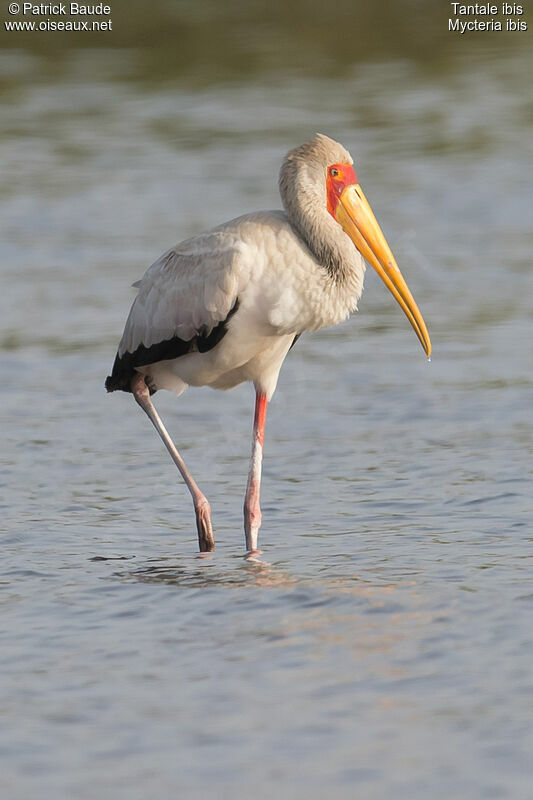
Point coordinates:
pixel 226 306
pixel 282 290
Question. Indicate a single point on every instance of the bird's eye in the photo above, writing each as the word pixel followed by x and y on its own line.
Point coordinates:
pixel 334 172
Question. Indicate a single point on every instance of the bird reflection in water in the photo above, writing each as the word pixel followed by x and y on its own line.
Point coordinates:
pixel 204 572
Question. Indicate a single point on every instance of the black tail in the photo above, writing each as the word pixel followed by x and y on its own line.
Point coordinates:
pixel 124 366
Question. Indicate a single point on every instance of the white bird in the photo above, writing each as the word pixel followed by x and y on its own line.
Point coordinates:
pixel 226 306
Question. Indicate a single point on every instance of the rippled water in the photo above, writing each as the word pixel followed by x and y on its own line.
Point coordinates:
pixel 382 646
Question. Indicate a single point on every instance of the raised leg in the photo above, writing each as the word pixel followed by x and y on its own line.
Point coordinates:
pixel 252 509
pixel 206 540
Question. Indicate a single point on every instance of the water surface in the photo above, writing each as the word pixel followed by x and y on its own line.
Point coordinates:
pixel 381 646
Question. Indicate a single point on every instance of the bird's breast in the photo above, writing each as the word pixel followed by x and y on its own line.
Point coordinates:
pixel 289 291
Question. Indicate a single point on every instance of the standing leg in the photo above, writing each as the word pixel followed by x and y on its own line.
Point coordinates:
pixel 202 508
pixel 252 509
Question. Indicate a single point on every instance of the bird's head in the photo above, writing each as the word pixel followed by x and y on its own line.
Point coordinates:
pixel 320 175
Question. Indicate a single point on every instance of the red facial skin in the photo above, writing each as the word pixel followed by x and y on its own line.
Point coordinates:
pixel 337 183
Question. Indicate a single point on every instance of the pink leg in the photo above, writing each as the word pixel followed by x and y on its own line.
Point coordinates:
pixel 252 509
pixel 206 540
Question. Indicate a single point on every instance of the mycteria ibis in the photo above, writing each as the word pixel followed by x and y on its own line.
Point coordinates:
pixel 226 306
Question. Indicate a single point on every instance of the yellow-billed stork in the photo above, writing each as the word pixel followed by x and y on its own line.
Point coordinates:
pixel 226 306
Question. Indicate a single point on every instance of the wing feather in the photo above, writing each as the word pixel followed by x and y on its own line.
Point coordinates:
pixel 188 291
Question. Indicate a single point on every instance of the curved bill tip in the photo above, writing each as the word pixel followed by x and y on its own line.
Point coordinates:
pixel 354 214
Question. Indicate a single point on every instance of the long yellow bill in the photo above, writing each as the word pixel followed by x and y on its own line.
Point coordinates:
pixel 354 214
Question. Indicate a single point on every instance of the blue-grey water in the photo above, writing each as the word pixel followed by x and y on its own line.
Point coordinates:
pixel 382 646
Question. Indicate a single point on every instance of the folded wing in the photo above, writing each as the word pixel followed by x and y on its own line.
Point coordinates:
pixel 184 302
